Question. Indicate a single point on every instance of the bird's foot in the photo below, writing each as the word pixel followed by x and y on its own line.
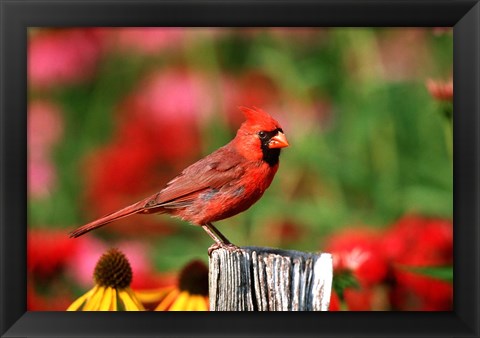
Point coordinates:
pixel 230 247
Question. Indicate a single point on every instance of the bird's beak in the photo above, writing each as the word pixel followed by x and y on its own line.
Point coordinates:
pixel 278 141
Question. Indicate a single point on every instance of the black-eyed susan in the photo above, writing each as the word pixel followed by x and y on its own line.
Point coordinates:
pixel 189 294
pixel 112 291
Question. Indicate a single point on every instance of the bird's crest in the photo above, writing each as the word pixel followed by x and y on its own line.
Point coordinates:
pixel 257 117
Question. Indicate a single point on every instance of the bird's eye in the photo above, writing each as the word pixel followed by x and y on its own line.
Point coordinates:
pixel 262 134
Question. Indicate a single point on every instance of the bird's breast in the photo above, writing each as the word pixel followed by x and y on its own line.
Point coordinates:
pixel 215 204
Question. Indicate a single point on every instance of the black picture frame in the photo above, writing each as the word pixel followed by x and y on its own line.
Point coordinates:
pixel 16 16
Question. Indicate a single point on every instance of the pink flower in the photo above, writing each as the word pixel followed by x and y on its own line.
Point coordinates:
pixel 147 40
pixel 83 263
pixel 403 54
pixel 45 127
pixel 175 95
pixel 138 256
pixel 62 56
pixel 41 178
pixel 91 249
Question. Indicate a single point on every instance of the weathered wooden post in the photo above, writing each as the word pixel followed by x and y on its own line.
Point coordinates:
pixel 265 279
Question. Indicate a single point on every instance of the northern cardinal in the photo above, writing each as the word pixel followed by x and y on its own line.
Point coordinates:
pixel 220 185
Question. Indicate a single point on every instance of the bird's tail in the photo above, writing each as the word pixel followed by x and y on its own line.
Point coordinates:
pixel 127 211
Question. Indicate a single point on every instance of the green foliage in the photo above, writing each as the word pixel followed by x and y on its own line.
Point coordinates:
pixel 342 281
pixel 444 273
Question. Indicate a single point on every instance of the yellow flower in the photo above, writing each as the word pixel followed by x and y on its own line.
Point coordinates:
pixel 112 291
pixel 190 293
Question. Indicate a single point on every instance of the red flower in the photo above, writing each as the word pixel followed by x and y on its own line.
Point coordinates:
pixel 48 251
pixel 334 302
pixel 420 242
pixel 116 169
pixel 58 299
pixel 359 250
pixel 118 175
pixel 359 300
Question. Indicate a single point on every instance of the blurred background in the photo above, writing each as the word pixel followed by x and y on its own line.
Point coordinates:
pixel 115 113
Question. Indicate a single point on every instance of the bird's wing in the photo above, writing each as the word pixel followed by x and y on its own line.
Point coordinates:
pixel 214 171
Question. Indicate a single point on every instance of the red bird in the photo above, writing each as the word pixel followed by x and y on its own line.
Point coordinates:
pixel 221 185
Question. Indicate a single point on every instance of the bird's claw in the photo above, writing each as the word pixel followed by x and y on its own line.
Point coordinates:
pixel 230 247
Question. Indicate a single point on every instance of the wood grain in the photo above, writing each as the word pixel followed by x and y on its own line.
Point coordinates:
pixel 266 279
